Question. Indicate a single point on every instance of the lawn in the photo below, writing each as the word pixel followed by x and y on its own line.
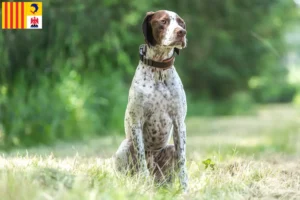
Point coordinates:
pixel 252 157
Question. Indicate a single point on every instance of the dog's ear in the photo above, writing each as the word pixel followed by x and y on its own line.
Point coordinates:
pixel 147 29
pixel 176 50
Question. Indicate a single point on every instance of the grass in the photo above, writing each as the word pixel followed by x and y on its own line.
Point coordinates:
pixel 255 157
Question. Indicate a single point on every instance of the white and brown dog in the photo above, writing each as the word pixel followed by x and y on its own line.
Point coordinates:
pixel 157 106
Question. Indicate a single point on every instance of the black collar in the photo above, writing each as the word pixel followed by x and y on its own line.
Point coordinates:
pixel 165 64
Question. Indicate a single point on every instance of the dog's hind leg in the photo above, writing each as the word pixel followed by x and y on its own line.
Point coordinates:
pixel 125 159
pixel 121 157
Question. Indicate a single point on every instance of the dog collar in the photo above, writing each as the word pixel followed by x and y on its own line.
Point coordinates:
pixel 165 64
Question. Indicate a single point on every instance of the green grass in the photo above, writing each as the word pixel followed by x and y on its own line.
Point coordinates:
pixel 255 157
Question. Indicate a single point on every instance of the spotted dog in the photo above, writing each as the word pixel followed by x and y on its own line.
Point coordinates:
pixel 157 106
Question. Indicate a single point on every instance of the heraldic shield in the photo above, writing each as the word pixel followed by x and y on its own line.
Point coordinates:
pixel 34 22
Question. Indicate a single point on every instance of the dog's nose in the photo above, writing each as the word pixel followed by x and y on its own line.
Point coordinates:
pixel 181 33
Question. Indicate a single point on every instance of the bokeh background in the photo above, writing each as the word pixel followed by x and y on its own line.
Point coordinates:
pixel 70 80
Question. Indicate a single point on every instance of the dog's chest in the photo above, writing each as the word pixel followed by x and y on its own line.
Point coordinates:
pixel 160 90
pixel 161 97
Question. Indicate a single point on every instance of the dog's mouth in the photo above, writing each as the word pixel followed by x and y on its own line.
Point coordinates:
pixel 177 42
pixel 181 42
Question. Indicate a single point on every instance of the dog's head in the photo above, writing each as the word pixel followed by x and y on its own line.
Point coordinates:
pixel 164 28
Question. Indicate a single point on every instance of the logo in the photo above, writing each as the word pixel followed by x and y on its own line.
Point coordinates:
pixel 36 7
pixel 22 15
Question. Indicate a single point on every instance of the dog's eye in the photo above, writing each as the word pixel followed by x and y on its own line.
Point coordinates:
pixel 163 21
pixel 182 24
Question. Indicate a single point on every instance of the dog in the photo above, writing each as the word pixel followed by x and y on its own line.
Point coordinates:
pixel 157 105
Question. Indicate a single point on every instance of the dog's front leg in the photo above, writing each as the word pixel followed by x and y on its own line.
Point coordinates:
pixel 138 145
pixel 179 137
pixel 134 129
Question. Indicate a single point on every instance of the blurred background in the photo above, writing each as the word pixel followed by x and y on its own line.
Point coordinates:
pixel 70 80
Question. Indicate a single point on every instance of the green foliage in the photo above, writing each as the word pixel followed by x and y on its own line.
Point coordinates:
pixel 272 92
pixel 208 163
pixel 67 80
pixel 70 80
pixel 238 103
pixel 68 110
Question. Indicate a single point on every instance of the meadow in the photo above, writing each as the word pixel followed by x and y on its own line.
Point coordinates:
pixel 231 157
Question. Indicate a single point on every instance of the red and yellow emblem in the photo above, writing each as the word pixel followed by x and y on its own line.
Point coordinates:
pixel 22 15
